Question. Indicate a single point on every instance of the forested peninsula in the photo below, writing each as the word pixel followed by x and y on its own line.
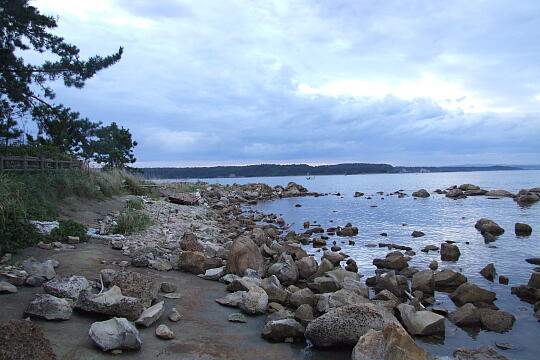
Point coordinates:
pixel 301 169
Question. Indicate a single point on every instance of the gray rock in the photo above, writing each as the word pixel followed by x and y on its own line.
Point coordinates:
pixel 134 284
pixel 34 281
pixel 254 301
pixel 115 334
pixel 111 302
pixel 466 315
pixel 340 298
pixel 285 270
pixel 49 307
pixel 422 193
pixel 489 226
pixel 66 287
pixel 390 343
pixel 167 287
pixel 163 332
pixel 423 281
pixel 232 300
pixel 150 315
pixel 213 274
pixel 274 290
pixel 174 315
pixel 345 325
pixel 7 288
pixel 300 297
pixel 448 279
pixel 279 330
pixel 307 266
pixel 44 270
pixel 534 281
pixel 494 320
pixel 421 322
pixel 237 317
pixel 499 193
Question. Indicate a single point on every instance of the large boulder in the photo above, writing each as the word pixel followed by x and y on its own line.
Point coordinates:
pixel 137 285
pixel 343 297
pixel 345 325
pixel 254 301
pixel 111 302
pixel 43 270
pixel 300 297
pixel 525 197
pixel 115 334
pixel 66 287
pixel 489 226
pixel 421 322
pixel 494 320
pixel 279 330
pixel 390 343
pixel 197 262
pixel 466 315
pixel 455 194
pixel 274 290
pixel 244 254
pixel 470 293
pixel 307 266
pixel 448 280
pixel 423 281
pixel 285 269
pixel 24 340
pixel 49 307
pixel 449 252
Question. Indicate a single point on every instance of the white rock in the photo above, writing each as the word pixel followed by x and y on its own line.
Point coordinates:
pixel 116 333
pixel 163 331
pixel 150 315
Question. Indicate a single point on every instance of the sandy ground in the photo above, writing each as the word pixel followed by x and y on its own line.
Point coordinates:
pixel 203 333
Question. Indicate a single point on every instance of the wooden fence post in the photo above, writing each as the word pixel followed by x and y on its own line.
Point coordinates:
pixel 25 162
pixel 1 162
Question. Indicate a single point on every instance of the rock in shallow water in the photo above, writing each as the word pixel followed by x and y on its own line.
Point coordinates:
pixel 280 330
pixel 421 322
pixel 163 332
pixel 7 288
pixel 116 333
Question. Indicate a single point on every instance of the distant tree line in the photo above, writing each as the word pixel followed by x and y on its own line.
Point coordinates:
pixel 26 94
pixel 297 170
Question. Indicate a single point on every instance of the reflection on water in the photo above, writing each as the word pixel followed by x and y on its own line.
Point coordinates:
pixel 440 219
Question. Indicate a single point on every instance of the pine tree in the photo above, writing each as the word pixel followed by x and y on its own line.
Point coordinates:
pixel 24 86
pixel 113 147
pixel 8 125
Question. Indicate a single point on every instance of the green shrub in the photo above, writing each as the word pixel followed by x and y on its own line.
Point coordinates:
pixel 16 232
pixel 131 221
pixel 68 228
pixel 135 204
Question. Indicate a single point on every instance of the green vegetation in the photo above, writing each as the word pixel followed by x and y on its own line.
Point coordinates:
pixel 135 204
pixel 38 196
pixel 132 220
pixel 68 228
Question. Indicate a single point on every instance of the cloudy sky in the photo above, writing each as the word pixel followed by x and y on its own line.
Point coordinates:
pixel 416 82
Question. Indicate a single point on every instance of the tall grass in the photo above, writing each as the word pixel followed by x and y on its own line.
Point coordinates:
pixel 38 196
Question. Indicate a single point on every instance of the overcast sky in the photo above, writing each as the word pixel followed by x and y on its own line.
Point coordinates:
pixel 208 82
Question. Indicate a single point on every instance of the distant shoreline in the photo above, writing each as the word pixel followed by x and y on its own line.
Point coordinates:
pixel 272 170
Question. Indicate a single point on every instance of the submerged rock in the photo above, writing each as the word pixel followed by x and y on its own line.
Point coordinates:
pixel 116 333
pixel 483 353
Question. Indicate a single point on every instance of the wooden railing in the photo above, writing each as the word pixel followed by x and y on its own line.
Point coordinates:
pixel 31 163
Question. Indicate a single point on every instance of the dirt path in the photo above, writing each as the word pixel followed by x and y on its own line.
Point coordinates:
pixel 89 211
pixel 203 333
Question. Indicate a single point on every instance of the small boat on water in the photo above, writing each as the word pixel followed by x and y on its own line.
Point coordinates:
pixel 308 177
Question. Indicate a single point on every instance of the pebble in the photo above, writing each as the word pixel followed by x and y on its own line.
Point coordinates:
pixel 163 332
pixel 174 315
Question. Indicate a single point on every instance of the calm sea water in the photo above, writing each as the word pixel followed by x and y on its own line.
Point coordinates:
pixel 440 219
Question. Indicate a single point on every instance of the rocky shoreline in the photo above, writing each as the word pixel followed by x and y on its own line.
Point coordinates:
pixel 266 271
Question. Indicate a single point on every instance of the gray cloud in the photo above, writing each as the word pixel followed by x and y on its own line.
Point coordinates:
pixel 218 82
